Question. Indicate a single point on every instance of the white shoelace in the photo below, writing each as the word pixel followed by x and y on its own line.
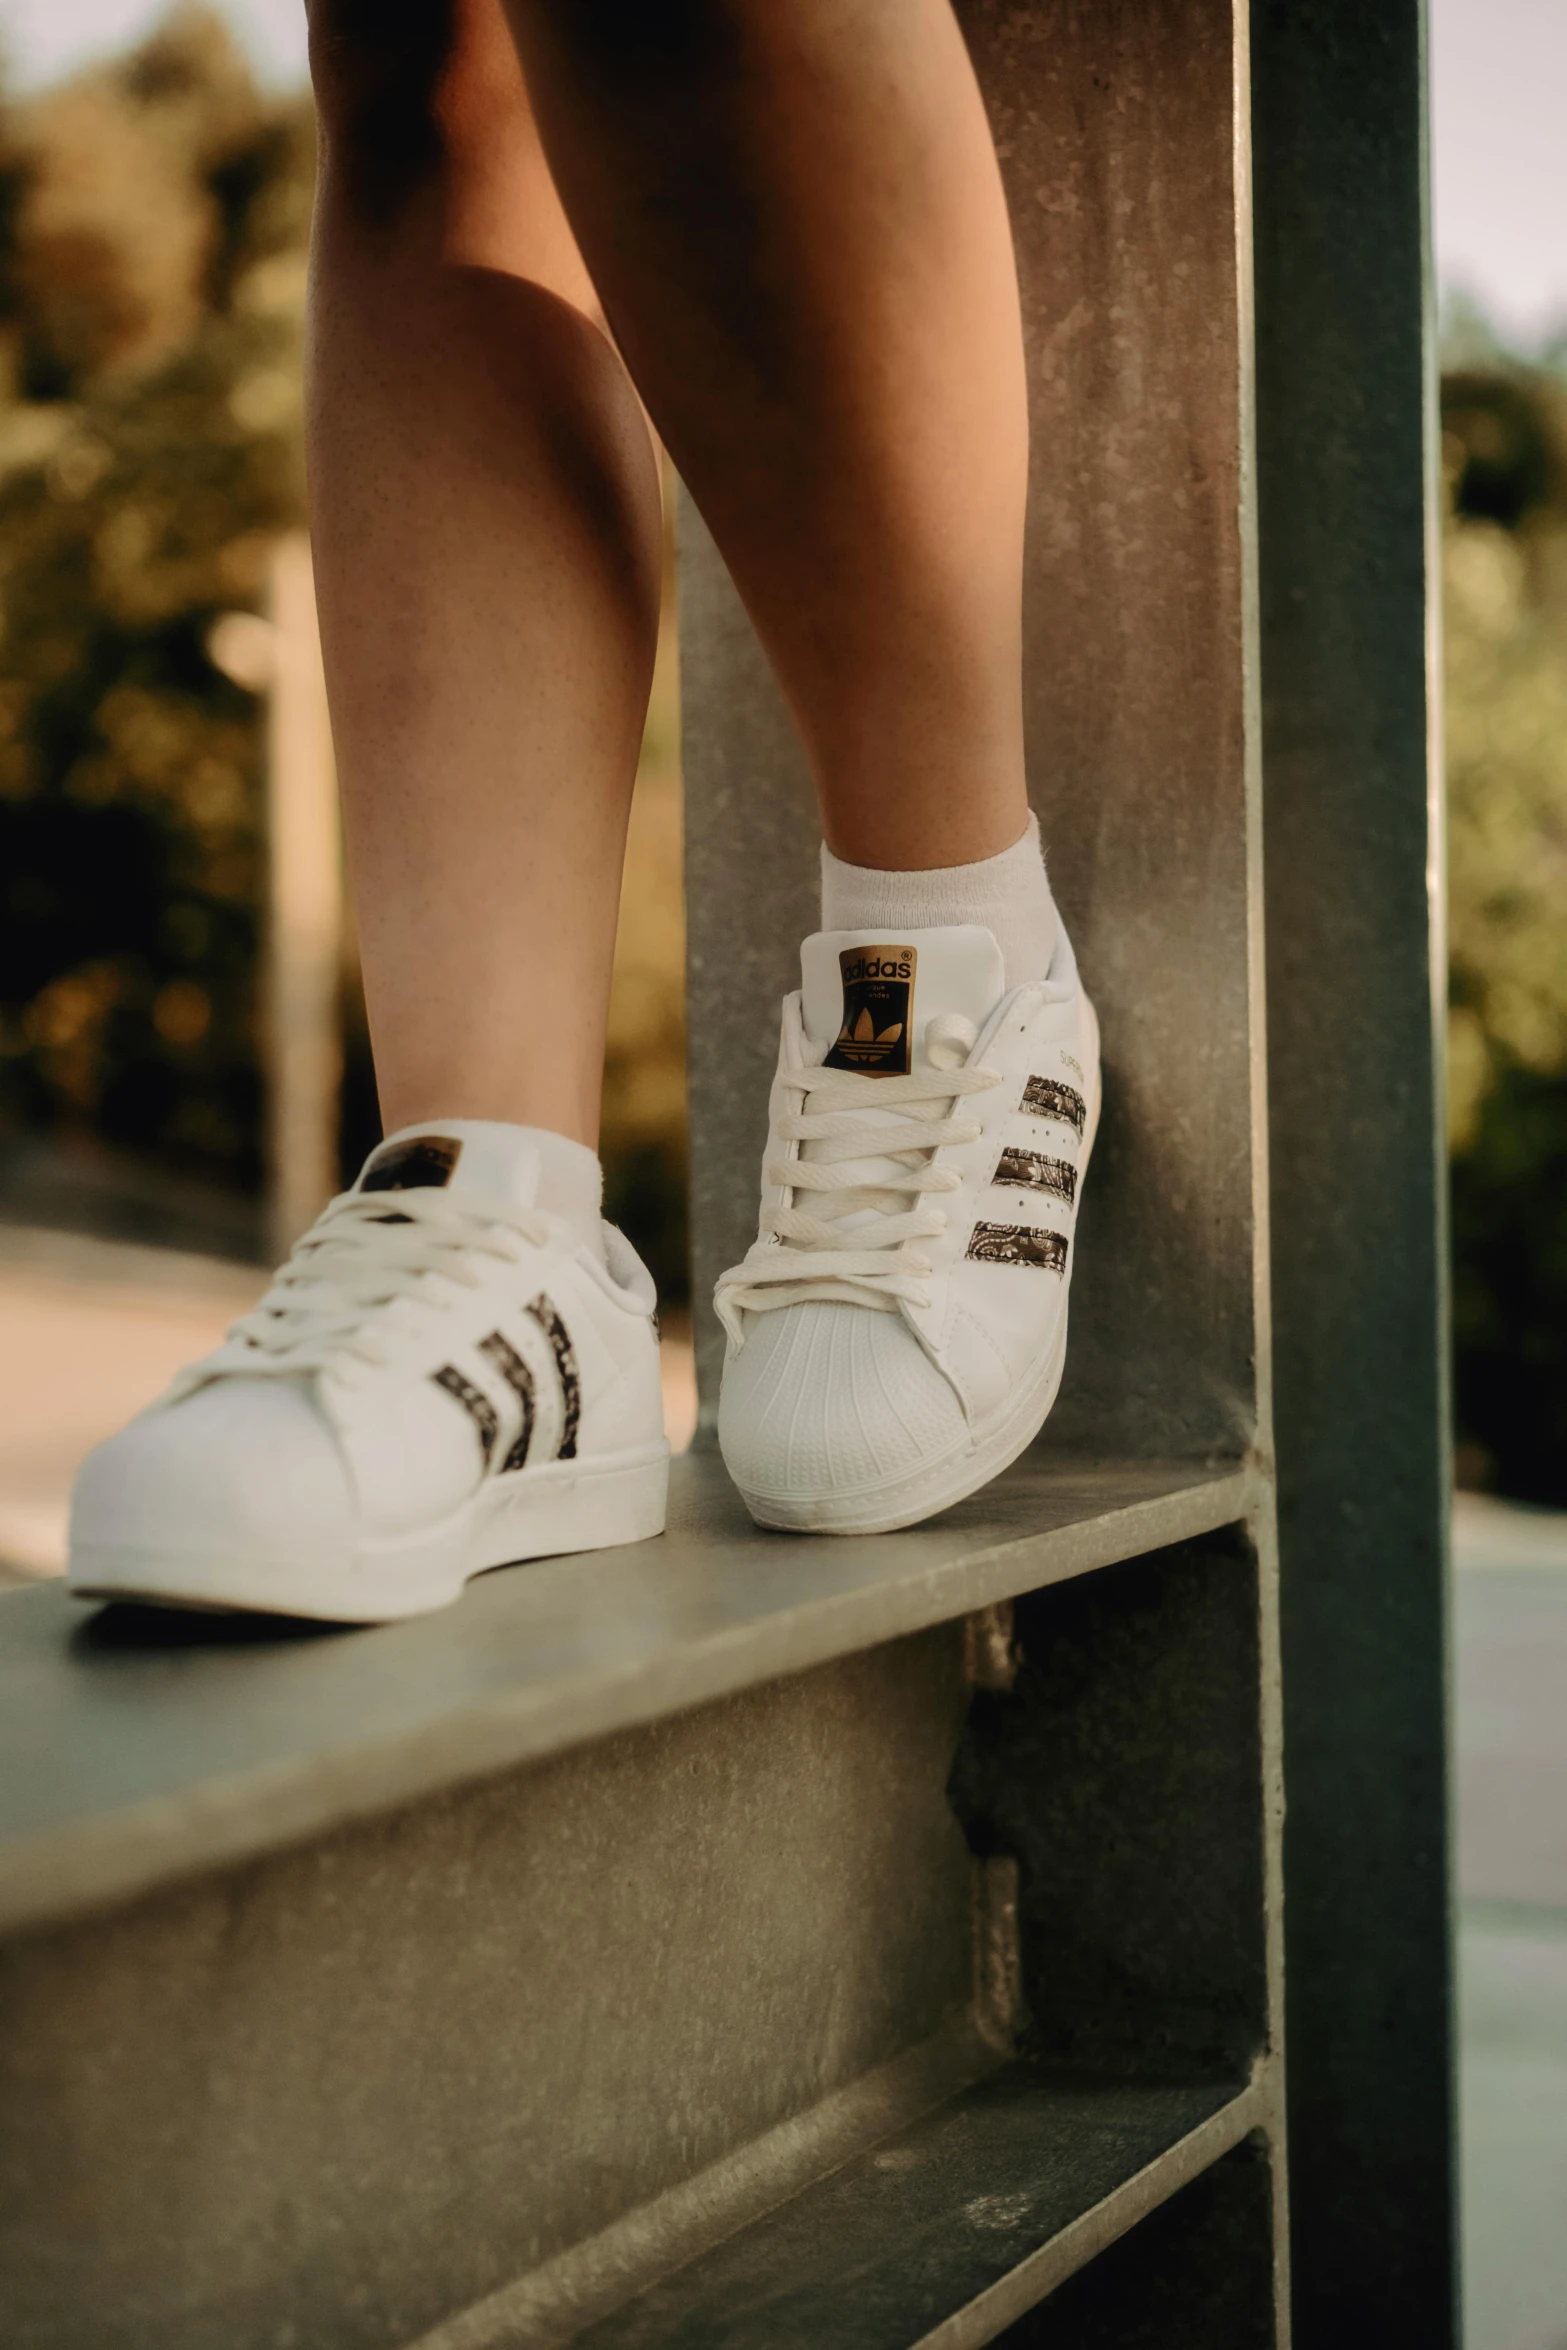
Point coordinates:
pixel 365 1252
pixel 861 1247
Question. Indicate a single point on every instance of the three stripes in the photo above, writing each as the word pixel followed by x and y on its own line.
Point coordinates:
pixel 519 1378
pixel 1032 1244
pixel 1006 1244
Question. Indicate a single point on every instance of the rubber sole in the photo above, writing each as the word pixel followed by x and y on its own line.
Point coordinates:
pixel 909 1501
pixel 539 1513
pixel 924 1493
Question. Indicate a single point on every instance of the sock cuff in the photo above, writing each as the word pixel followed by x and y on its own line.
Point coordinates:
pixel 571 1177
pixel 888 894
pixel 1007 894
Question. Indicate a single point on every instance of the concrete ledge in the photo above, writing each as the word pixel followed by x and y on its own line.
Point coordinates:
pixel 138 1747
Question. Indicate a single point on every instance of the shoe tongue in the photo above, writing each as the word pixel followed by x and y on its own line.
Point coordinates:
pixel 869 995
pixel 524 1166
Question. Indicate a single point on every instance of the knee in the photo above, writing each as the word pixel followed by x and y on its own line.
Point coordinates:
pixel 410 91
pixel 378 67
pixel 647 47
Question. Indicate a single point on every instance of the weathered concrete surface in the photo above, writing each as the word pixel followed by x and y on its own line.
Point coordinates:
pixel 335 2096
pixel 942 2233
pixel 1125 1771
pixel 136 1746
pixel 1195 2275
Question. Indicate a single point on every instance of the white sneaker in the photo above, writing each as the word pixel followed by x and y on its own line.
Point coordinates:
pixel 898 1329
pixel 443 1378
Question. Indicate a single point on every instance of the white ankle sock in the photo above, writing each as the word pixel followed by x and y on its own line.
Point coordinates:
pixel 571 1183
pixel 530 1164
pixel 1009 894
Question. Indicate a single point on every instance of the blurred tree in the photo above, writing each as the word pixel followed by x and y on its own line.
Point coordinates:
pixel 1505 463
pixel 153 217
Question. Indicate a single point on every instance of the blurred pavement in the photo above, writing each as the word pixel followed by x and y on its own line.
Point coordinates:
pixel 1510 1626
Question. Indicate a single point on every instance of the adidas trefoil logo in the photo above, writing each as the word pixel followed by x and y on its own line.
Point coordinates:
pixel 503 1358
pixel 865 1032
pixel 878 989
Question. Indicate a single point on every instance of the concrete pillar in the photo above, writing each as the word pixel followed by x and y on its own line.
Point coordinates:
pixel 1126 134
pixel 1355 988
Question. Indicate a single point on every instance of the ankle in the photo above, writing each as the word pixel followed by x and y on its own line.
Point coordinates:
pixel 1009 895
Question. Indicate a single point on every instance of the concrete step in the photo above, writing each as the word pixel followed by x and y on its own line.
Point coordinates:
pixel 138 1746
pixel 462 1980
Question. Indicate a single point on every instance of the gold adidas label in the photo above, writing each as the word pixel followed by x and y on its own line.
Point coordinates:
pixel 876 1037
pixel 423 1163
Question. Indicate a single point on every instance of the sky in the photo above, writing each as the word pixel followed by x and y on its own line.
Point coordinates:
pixel 1499 158
pixel 1498 103
pixel 43 39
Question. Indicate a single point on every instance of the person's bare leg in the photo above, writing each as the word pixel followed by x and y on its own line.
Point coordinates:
pixel 436 1386
pixel 794 219
pixel 485 505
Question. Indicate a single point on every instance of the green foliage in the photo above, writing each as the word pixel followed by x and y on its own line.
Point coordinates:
pixel 154 216
pixel 1505 446
pixel 152 226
